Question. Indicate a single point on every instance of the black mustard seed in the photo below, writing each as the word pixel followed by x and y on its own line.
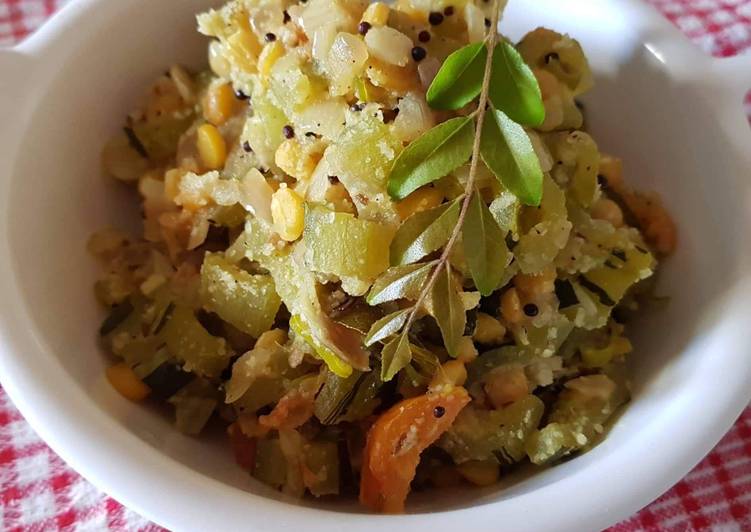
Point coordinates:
pixel 363 28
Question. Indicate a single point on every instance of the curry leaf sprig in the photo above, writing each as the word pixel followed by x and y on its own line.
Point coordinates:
pixel 508 97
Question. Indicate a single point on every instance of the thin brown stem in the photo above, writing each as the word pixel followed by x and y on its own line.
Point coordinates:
pixel 469 188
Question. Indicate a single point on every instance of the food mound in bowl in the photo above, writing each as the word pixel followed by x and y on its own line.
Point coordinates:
pixel 378 246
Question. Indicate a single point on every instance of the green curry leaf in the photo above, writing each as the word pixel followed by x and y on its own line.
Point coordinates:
pixel 514 88
pixel 448 309
pixel 509 154
pixel 395 356
pixel 437 153
pixel 399 282
pixel 387 326
pixel 484 246
pixel 459 79
pixel 424 233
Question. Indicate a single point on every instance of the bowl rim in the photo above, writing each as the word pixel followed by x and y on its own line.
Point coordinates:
pixel 94 444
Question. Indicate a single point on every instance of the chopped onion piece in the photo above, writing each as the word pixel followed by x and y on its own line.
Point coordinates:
pixel 256 195
pixel 267 19
pixel 320 13
pixel 427 71
pixel 324 118
pixel 414 118
pixel 389 45
pixel 345 61
pixel 475 22
pixel 323 38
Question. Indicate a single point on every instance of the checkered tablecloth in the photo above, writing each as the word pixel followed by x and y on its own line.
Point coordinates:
pixel 39 492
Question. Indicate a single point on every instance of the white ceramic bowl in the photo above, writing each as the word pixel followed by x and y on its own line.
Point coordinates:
pixel 673 114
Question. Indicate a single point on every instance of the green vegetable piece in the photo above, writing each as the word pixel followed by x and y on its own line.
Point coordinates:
pixel 160 138
pixel 448 310
pixel 143 352
pixel 424 233
pixel 387 326
pixel 513 87
pixel 505 210
pixel 262 392
pixel 545 230
pixel 552 442
pixel 264 129
pixel 598 238
pixel 296 285
pixel 260 363
pixel 615 281
pixel 459 80
pixel 361 90
pixel 348 399
pixel 322 459
pixel 130 324
pixel 335 396
pixel 501 356
pixel 366 398
pixel 117 315
pixel 289 85
pixel 135 142
pixel 399 282
pixel 508 153
pixel 340 244
pixel 232 216
pixel 484 246
pixel 498 435
pixel 560 55
pixel 576 423
pixel 362 157
pixel 598 358
pixel 166 380
pixel 161 307
pixel 437 153
pixel 395 356
pixel 543 342
pixel 190 343
pixel 338 366
pixel 423 367
pixel 194 405
pixel 248 302
pixel 270 465
pixel 147 367
pixel 252 243
pixel 580 164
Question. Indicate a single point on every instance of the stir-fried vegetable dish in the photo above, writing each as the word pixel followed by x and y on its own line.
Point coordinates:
pixel 379 246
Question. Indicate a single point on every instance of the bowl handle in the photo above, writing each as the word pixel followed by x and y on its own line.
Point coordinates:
pixel 735 72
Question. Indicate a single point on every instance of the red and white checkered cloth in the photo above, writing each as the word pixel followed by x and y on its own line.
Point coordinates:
pixel 39 492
